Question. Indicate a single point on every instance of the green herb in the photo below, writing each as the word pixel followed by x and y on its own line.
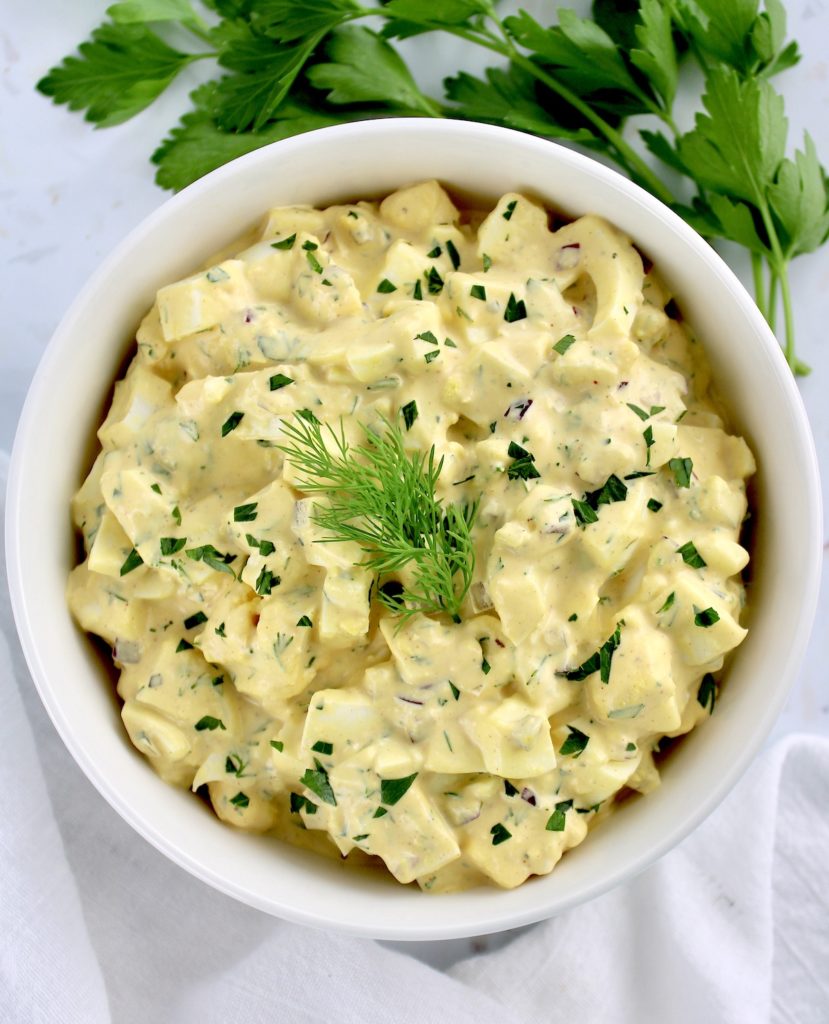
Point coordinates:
pixel 487 261
pixel 184 645
pixel 245 513
pixel 278 745
pixel 454 255
pixel 705 617
pixel 380 812
pixel 681 469
pixel 409 413
pixel 690 556
pixel 287 67
pixel 654 505
pixel 305 621
pixel 521 468
pixel 232 422
pixel 456 693
pixel 630 747
pixel 639 412
pixel 316 779
pixel 417 291
pixel 507 214
pixel 449 343
pixel 383 498
pixel 392 790
pixel 176 514
pixel 584 512
pixel 499 834
pixel 220 630
pixel 240 800
pixel 170 545
pixel 563 344
pixel 299 803
pixel 600 661
pixel 516 310
pixel 306 414
pixel 156 488
pixel 556 821
pixel 284 243
pixel 279 380
pixel 323 747
pixel 427 336
pixel 431 356
pixel 612 490
pixel 575 742
pixel 360 838
pixel 509 789
pixel 477 291
pixel 434 281
pixel 132 561
pixel 486 668
pixel 266 547
pixel 573 617
pixel 266 581
pixel 210 556
pixel 649 443
pixel 385 287
pixel 707 693
pixel 313 262
pixel 669 602
pixel 434 254
pixel 209 723
pixel 196 619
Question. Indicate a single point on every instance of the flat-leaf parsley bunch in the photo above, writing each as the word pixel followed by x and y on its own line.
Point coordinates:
pixel 287 66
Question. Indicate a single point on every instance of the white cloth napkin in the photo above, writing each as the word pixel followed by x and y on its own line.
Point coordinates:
pixel 96 926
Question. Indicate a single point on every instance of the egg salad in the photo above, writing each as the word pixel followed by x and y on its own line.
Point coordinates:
pixel 414 532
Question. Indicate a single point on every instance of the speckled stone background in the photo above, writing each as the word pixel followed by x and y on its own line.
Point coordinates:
pixel 69 194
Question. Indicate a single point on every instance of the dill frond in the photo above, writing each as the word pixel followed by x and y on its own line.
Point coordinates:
pixel 383 499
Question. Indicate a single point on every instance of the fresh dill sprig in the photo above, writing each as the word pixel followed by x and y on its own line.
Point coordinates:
pixel 383 498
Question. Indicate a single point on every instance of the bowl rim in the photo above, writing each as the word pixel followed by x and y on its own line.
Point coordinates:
pixel 497 919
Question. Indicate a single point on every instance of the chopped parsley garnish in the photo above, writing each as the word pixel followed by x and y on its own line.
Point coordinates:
pixel 196 619
pixel 640 473
pixel 707 693
pixel 278 745
pixel 380 812
pixel 184 645
pixel 477 291
pixel 690 556
pixel 498 832
pixel 563 344
pixel 208 723
pixel 507 214
pixel 613 489
pixel 313 262
pixel 409 413
pixel 360 838
pixel 299 803
pixel 705 617
pixel 556 821
pixel 391 790
pixel 386 287
pixel 456 693
pixel 266 581
pixel 176 514
pixel 449 343
pixel 454 255
pixel 630 747
pixel 509 789
pixel 305 621
pixel 220 630
pixel 427 336
pixel 431 356
pixel 516 310
pixel 279 380
pixel 654 505
pixel 639 412
pixel 417 291
pixel 232 422
pixel 599 661
pixel 575 742
pixel 573 617
pixel 669 600
pixel 210 556
pixel 307 415
pixel 681 469
pixel 266 547
pixel 647 434
pixel 486 668
pixel 521 468
pixel 240 800
pixel 323 747
pixel 434 281
pixel 245 513
pixel 487 261
pixel 434 254
pixel 156 488
pixel 132 561
pixel 170 545
pixel 316 779
pixel 285 243
pixel 583 512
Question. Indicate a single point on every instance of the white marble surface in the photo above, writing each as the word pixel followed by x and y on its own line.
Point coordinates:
pixel 68 195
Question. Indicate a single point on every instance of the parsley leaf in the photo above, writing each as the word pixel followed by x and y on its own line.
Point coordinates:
pixel 392 790
pixel 316 779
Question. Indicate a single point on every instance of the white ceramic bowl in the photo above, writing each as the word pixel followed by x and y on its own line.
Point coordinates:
pixel 66 401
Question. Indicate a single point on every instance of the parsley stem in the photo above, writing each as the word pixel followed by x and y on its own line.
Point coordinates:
pixel 759 286
pixel 771 305
pixel 779 271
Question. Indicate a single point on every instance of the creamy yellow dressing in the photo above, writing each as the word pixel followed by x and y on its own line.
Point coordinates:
pixel 546 373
